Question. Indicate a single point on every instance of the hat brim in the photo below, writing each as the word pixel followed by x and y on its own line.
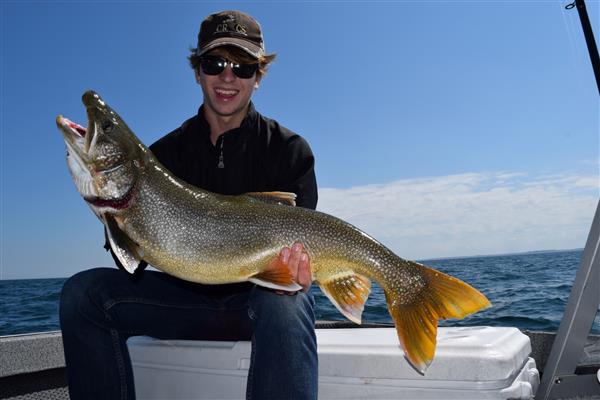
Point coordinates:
pixel 249 47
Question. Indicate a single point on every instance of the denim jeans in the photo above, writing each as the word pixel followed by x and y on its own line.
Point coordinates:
pixel 101 308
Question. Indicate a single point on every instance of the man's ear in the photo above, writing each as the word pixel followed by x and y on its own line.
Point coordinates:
pixel 197 75
pixel 257 83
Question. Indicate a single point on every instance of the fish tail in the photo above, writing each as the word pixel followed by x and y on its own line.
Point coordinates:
pixel 416 321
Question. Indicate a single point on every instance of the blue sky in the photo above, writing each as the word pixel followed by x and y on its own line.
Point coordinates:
pixel 442 128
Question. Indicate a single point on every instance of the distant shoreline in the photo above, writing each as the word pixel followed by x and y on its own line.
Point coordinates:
pixel 522 253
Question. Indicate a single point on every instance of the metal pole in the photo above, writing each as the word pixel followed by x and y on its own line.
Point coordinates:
pixel 559 379
pixel 589 38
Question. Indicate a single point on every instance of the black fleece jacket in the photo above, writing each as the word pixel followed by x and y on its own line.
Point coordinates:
pixel 259 156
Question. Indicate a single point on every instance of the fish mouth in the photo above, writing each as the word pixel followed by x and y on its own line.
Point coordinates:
pixel 75 127
pixel 82 159
pixel 114 204
pixel 78 160
pixel 79 139
pixel 74 135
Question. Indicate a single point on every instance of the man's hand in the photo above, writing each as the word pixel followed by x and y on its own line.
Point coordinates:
pixel 298 262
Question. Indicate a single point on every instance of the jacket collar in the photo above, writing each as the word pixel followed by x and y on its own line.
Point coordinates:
pixel 248 121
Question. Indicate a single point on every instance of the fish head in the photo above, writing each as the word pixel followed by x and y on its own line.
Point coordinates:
pixel 105 159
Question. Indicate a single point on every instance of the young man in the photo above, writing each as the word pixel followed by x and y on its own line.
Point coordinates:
pixel 229 148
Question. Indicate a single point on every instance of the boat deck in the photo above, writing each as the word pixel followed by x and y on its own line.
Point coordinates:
pixel 33 365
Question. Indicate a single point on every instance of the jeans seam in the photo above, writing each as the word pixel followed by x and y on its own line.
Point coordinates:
pixel 250 379
pixel 111 303
pixel 107 305
pixel 120 363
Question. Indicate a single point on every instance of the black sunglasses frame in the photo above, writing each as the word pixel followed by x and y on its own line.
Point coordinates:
pixel 214 65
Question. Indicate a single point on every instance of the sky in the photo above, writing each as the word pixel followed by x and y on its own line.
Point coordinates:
pixel 441 128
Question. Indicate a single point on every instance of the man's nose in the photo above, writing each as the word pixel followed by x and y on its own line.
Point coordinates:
pixel 227 75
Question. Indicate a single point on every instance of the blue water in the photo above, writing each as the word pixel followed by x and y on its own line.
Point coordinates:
pixel 529 291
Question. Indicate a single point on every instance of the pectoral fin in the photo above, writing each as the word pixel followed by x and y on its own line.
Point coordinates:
pixel 125 249
pixel 284 198
pixel 348 292
pixel 276 275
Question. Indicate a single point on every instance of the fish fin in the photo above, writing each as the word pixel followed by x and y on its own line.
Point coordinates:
pixel 284 198
pixel 125 249
pixel 293 287
pixel 416 322
pixel 348 293
pixel 276 275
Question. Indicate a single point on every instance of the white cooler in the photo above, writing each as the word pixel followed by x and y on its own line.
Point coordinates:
pixel 470 363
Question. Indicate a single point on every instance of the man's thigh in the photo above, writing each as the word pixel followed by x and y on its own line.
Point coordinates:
pixel 159 305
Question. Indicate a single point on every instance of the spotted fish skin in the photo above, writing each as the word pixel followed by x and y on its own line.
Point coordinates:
pixel 210 238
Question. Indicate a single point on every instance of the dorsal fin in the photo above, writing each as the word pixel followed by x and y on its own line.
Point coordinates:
pixel 284 198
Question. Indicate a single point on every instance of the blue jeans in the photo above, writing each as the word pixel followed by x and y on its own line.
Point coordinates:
pixel 101 308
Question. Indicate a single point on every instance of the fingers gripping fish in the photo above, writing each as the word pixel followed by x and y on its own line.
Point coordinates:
pixel 209 238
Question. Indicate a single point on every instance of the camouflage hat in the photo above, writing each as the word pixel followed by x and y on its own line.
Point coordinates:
pixel 231 28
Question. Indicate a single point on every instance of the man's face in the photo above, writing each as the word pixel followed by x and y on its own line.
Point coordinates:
pixel 225 94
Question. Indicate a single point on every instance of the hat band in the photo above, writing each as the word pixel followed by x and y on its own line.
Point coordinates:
pixel 257 52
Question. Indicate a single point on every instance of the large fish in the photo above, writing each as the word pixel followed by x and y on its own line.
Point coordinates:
pixel 200 236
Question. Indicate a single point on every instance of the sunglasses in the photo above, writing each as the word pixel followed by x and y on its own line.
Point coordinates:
pixel 214 65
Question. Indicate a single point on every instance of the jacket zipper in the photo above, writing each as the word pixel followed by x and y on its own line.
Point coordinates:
pixel 221 162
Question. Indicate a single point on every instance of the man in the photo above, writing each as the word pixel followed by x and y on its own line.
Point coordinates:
pixel 229 148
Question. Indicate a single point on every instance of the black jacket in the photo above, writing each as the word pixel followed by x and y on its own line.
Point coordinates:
pixel 259 156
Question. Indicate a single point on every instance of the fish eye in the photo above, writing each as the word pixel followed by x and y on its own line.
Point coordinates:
pixel 107 126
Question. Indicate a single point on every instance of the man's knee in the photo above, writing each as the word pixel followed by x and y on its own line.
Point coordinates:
pixel 282 312
pixel 75 294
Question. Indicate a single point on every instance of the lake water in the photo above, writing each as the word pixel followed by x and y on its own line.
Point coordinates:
pixel 529 291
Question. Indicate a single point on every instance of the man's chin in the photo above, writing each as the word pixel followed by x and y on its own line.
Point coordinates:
pixel 228 110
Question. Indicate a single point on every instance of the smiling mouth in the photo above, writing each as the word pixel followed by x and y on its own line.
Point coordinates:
pixel 226 94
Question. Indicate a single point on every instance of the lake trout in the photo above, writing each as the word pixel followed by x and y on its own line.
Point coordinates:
pixel 152 216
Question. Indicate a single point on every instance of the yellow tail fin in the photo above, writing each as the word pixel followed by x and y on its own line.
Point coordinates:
pixel 416 321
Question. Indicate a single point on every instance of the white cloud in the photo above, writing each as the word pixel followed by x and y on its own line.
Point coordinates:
pixel 592 162
pixel 470 214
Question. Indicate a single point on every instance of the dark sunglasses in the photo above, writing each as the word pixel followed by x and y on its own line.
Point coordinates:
pixel 214 65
